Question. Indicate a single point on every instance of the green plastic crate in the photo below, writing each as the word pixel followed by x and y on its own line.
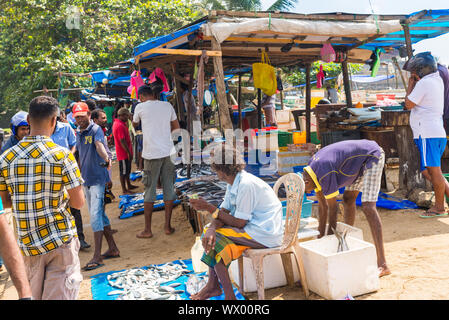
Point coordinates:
pixel 314 138
pixel 284 138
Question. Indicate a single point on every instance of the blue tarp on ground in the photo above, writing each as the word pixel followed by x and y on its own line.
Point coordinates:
pixel 100 286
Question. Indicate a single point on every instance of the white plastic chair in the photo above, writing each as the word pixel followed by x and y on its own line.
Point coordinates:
pixel 294 186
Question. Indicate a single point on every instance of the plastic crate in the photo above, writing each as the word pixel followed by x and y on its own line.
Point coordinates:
pixel 306 208
pixel 330 137
pixel 284 138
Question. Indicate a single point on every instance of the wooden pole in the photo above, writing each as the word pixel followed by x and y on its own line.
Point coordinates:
pixel 178 93
pixel 308 101
pixel 259 108
pixel 344 68
pixel 408 40
pixel 395 61
pixel 225 118
pixel 239 101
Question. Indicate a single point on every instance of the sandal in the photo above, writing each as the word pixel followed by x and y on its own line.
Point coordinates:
pixel 92 266
pixel 431 214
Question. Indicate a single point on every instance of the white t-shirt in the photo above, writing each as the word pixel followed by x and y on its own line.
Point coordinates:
pixel 426 118
pixel 155 117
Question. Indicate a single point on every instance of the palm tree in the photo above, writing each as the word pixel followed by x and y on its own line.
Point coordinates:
pixel 248 5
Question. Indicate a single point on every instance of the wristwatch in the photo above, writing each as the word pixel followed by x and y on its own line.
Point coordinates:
pixel 215 213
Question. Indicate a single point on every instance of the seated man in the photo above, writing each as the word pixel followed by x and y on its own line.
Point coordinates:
pixel 356 165
pixel 249 217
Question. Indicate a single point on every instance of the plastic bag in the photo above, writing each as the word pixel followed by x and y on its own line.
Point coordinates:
pixel 197 252
pixel 264 76
pixel 328 53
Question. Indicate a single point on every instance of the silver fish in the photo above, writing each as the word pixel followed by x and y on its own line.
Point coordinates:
pixel 111 293
pixel 341 236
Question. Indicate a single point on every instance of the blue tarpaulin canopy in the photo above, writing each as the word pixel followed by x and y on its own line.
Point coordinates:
pixel 113 79
pixel 423 25
pixel 175 40
pixel 243 34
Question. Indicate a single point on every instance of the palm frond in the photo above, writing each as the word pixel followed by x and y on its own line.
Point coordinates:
pixel 282 5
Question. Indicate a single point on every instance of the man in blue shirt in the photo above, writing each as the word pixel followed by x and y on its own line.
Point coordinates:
pixel 65 137
pixel 94 162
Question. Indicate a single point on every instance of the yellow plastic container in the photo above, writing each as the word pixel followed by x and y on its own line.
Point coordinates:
pixel 299 137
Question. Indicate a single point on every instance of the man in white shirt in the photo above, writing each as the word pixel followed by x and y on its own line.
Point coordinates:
pixel 158 120
pixel 425 99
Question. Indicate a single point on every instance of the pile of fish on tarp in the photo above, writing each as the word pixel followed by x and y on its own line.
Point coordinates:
pixel 152 283
pixel 133 204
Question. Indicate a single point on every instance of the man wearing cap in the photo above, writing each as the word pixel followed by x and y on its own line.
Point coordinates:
pixel 123 148
pixel 94 162
pixel 64 136
pixel 19 128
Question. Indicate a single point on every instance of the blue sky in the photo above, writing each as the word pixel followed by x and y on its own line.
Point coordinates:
pixel 438 46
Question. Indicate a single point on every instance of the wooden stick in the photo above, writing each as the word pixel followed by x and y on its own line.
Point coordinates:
pixel 308 101
pixel 225 118
pixel 183 52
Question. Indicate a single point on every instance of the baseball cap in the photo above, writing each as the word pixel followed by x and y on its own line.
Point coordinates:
pixel 80 109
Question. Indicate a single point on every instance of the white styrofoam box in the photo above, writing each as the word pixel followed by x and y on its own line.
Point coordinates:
pixel 285 126
pixel 333 275
pixel 273 269
pixel 352 231
pixel 284 116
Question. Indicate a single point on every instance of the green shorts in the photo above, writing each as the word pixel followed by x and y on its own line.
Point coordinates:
pixel 153 170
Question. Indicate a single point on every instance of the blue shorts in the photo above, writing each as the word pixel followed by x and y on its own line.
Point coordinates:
pixel 431 151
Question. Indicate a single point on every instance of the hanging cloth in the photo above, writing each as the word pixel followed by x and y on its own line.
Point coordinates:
pixel 135 83
pixel 320 77
pixel 158 72
pixel 375 62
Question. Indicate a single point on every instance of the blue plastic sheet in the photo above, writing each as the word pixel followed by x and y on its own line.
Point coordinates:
pixel 127 201
pixel 100 286
pixel 389 202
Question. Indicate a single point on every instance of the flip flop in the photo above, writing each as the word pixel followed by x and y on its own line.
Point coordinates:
pixel 433 214
pixel 109 256
pixel 92 266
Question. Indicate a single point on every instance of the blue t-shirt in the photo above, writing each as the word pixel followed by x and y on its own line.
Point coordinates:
pixel 1 207
pixel 89 159
pixel 252 199
pixel 64 135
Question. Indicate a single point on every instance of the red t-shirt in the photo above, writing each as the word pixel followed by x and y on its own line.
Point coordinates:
pixel 120 131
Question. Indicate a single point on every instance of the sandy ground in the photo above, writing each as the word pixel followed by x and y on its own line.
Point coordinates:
pixel 416 252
